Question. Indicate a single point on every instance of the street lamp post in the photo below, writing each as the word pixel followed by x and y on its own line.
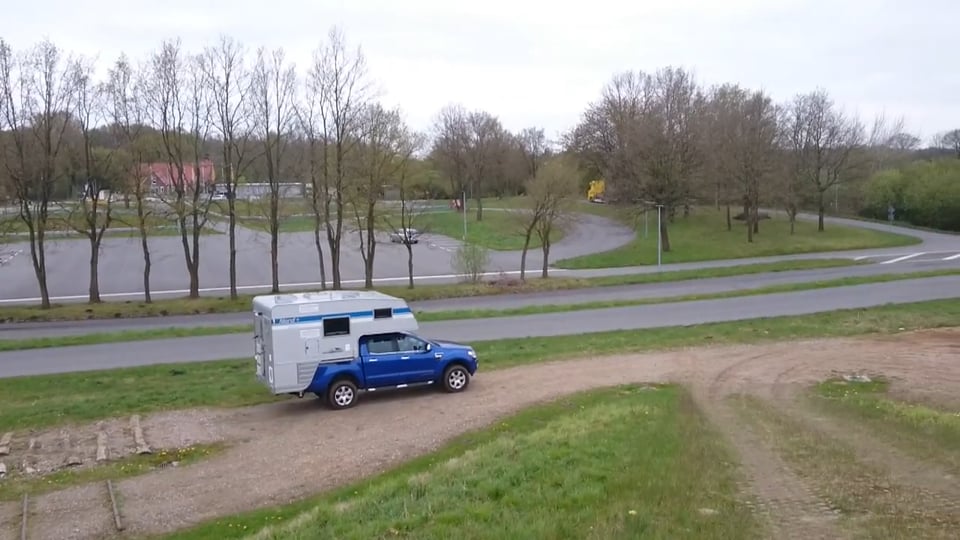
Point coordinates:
pixel 659 237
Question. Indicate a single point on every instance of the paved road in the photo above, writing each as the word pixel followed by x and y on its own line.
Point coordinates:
pixel 108 356
pixel 121 261
pixel 576 296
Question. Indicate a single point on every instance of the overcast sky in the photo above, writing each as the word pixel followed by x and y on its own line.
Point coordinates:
pixel 538 62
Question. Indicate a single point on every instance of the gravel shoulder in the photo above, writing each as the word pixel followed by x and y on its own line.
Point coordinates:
pixel 282 452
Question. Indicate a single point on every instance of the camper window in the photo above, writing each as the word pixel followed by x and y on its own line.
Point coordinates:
pixel 383 313
pixel 338 326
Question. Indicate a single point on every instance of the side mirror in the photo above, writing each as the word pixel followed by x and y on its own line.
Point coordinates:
pixel 429 346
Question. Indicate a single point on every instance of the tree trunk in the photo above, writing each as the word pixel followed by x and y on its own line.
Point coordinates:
pixel 195 267
pixel 409 264
pixel 664 236
pixel 316 241
pixel 821 209
pixel 94 296
pixel 749 216
pixel 274 240
pixel 39 266
pixel 233 242
pixel 756 217
pixel 729 219
pixel 526 247
pixel 141 217
pixel 371 246
pixel 545 246
pixel 479 209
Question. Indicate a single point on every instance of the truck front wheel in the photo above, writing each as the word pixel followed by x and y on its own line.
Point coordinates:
pixel 342 394
pixel 456 378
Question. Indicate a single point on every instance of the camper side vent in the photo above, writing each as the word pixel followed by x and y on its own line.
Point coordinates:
pixel 383 313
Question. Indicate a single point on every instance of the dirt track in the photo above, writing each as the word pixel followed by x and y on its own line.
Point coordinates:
pixel 285 451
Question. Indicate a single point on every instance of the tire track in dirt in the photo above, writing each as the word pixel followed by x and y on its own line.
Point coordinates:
pixel 292 449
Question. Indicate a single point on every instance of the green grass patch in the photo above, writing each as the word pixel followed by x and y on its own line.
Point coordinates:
pixel 627 462
pixel 15 485
pixel 121 337
pixel 499 230
pixel 916 424
pixel 221 304
pixel 42 400
pixel 703 236
pixel 871 503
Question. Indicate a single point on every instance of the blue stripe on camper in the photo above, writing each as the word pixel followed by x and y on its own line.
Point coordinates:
pixel 353 315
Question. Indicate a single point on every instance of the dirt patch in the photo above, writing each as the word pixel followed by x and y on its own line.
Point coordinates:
pixel 285 451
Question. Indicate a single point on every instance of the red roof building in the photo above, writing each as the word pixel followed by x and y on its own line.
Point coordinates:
pixel 163 177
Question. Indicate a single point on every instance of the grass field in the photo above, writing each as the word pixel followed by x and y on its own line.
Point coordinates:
pixel 37 401
pixel 223 304
pixel 918 428
pixel 627 462
pixel 447 315
pixel 703 236
pixel 499 230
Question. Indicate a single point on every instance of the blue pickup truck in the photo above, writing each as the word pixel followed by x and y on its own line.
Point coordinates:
pixel 336 344
pixel 394 360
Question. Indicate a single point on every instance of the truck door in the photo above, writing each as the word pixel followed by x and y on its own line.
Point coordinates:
pixel 382 363
pixel 419 365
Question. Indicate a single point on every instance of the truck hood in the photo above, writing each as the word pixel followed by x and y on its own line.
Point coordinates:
pixel 451 344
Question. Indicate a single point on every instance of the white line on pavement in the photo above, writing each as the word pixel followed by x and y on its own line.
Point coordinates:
pixel 249 287
pixel 952 257
pixel 905 257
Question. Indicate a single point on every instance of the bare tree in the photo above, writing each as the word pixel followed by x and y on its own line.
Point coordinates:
pixel 382 155
pixel 746 144
pixel 38 100
pixel 484 132
pixel 533 146
pixel 310 125
pixel 229 82
pixel 274 87
pixel 340 78
pixel 644 135
pixel 450 147
pixel 824 143
pixel 949 140
pixel 410 212
pixel 553 192
pixel 180 106
pixel 93 215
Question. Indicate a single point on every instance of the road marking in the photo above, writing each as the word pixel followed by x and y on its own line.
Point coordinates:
pixel 267 287
pixel 905 257
pixel 952 257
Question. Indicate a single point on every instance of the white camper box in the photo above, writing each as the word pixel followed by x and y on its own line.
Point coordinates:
pixel 294 333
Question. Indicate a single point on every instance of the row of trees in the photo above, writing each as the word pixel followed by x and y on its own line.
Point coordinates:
pixel 62 133
pixel 662 139
pixel 657 138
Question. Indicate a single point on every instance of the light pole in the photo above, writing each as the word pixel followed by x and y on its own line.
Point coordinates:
pixel 659 238
pixel 463 208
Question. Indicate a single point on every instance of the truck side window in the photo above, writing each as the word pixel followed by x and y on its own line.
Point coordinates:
pixel 339 326
pixel 408 343
pixel 382 344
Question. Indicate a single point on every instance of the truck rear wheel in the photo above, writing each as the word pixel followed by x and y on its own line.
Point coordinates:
pixel 342 394
pixel 455 378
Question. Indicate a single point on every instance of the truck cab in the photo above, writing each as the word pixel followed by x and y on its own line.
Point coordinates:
pixel 394 360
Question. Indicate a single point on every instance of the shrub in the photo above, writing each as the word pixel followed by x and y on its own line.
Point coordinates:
pixel 471 260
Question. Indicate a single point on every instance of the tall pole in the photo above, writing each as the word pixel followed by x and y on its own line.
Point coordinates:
pixel 645 220
pixel 463 208
pixel 659 237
